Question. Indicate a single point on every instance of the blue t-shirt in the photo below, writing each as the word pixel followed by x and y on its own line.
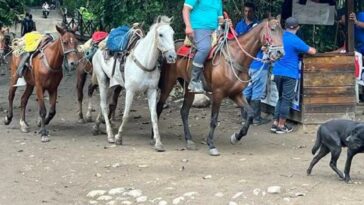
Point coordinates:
pixel 204 13
pixel 359 32
pixel 288 64
pixel 242 28
pixel 255 65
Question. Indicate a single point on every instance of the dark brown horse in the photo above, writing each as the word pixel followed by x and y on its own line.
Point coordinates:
pixel 45 75
pixel 225 76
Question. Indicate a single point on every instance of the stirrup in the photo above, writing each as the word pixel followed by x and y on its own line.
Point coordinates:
pixel 20 82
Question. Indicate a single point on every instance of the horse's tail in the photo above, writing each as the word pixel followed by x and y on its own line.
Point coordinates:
pixel 317 144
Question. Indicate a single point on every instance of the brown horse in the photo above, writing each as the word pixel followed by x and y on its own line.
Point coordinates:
pixel 225 76
pixel 45 75
pixel 84 69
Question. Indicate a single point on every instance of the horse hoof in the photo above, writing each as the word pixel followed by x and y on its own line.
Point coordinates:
pixel 118 139
pixel 233 139
pixel 7 120
pixel 24 129
pixel 159 148
pixel 45 139
pixel 81 121
pixel 214 152
pixel 191 145
pixel 95 131
pixel 152 142
pixel 111 140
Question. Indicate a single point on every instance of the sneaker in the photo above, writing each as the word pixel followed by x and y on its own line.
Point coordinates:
pixel 274 128
pixel 285 129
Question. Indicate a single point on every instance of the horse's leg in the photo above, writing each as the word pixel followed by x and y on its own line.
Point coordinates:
pixel 114 95
pixel 96 128
pixel 81 79
pixel 215 109
pixel 42 113
pixel 52 109
pixel 11 95
pixel 105 109
pixel 152 101
pixel 165 87
pixel 185 111
pixel 242 103
pixel 129 96
pixel 24 127
pixel 91 89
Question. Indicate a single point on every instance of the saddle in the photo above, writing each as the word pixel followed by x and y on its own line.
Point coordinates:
pixel 48 38
pixel 135 34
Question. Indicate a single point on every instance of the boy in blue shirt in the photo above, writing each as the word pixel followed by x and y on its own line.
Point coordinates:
pixel 258 72
pixel 201 18
pixel 285 72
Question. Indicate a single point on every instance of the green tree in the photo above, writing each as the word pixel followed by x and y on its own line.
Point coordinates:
pixel 9 9
pixel 117 12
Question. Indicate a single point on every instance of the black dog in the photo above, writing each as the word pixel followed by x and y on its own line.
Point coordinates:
pixel 333 135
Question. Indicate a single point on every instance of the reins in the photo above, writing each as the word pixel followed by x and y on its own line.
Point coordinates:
pixel 65 53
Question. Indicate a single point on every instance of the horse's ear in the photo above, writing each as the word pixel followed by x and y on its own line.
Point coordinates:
pixel 60 30
pixel 159 18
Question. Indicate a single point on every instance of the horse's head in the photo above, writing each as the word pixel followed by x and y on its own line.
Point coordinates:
pixel 164 35
pixel 271 39
pixel 69 44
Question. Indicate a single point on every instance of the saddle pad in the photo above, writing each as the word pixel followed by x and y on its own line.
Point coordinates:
pixel 99 36
pixel 32 40
pixel 185 51
pixel 118 39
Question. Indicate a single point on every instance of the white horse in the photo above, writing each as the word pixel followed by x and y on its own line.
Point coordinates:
pixel 140 74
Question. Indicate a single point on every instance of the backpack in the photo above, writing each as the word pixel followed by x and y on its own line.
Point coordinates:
pixel 118 39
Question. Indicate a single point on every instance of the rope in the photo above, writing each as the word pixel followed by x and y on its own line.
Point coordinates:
pixel 224 44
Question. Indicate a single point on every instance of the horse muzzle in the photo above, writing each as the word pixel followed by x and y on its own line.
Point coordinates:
pixel 170 56
pixel 72 65
pixel 275 53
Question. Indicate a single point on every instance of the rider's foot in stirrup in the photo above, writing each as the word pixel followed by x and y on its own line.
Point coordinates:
pixel 20 82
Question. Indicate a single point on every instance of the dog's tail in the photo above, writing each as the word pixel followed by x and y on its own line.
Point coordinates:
pixel 317 144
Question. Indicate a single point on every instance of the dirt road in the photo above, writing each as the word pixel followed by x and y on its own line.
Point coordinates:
pixel 74 164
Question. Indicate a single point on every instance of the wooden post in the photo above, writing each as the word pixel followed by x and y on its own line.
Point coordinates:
pixel 350 42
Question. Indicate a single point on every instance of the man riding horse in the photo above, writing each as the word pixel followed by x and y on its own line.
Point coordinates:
pixel 201 19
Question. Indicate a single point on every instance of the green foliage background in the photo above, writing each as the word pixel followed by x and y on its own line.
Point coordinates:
pixel 117 12
pixel 9 9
